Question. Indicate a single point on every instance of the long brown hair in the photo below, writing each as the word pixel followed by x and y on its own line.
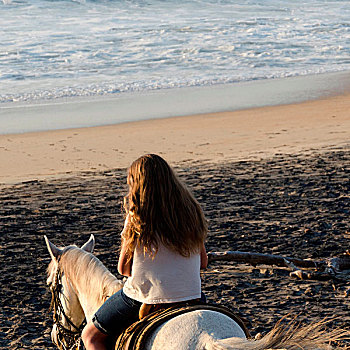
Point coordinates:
pixel 161 210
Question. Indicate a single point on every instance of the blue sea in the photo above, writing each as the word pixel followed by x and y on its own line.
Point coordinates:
pixel 51 49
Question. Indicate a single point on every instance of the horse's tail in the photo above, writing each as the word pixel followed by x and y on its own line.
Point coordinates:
pixel 290 337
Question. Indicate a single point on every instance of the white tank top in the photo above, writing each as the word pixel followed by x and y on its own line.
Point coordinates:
pixel 168 278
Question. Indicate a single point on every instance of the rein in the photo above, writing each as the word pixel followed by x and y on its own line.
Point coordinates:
pixel 67 339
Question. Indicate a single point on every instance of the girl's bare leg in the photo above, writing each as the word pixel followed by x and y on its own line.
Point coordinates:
pixel 93 338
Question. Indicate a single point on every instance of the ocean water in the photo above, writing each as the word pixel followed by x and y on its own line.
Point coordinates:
pixel 51 49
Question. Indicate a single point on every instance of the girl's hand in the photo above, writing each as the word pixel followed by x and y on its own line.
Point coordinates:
pixel 204 257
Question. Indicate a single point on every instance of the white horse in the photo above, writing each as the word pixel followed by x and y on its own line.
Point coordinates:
pixel 81 283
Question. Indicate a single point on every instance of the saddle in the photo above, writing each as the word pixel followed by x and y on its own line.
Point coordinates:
pixel 134 337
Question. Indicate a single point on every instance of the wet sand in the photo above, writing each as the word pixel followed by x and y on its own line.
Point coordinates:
pixel 288 204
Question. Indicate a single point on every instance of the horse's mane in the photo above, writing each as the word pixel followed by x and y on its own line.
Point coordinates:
pixel 85 270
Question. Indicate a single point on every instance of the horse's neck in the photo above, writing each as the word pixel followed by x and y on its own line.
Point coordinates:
pixel 91 298
pixel 92 285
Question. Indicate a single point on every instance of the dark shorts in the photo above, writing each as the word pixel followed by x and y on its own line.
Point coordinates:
pixel 117 313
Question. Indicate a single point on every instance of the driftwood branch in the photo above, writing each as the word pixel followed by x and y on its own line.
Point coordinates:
pixel 328 267
pixel 262 259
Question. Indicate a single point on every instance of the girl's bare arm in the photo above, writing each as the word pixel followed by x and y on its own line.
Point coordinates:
pixel 125 262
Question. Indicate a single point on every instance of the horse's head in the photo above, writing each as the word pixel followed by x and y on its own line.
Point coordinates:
pixel 68 314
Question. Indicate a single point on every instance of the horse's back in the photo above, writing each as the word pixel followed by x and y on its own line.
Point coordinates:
pixel 190 331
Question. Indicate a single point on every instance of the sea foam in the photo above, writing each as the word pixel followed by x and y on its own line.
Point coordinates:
pixel 55 49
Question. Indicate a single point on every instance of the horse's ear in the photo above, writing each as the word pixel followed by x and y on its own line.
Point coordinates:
pixel 89 245
pixel 53 250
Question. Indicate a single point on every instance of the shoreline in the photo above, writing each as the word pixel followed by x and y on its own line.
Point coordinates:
pixel 81 112
pixel 255 133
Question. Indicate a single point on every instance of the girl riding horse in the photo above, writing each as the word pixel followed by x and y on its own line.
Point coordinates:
pixel 162 249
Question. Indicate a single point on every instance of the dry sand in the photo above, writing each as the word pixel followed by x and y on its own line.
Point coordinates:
pixel 270 180
pixel 249 134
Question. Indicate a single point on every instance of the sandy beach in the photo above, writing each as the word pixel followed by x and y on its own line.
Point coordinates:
pixel 219 137
pixel 271 180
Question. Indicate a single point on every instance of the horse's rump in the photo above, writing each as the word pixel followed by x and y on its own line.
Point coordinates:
pixel 136 336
